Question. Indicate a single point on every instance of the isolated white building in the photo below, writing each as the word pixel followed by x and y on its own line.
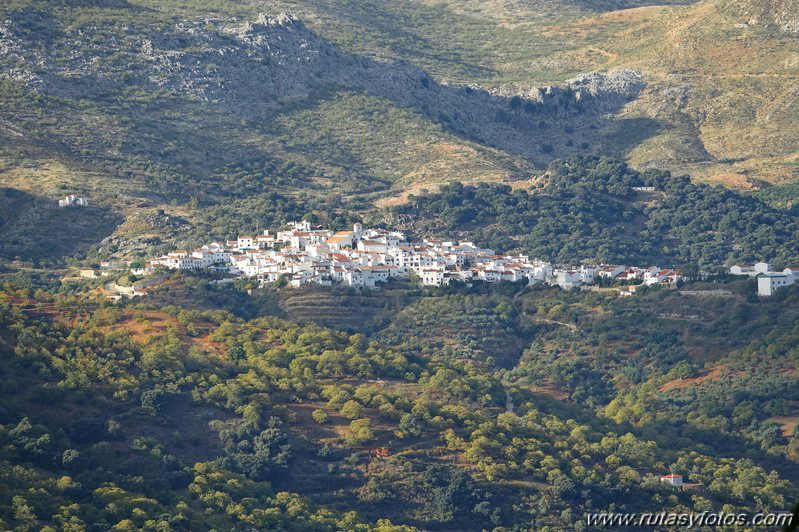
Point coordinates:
pixel 674 480
pixel 73 201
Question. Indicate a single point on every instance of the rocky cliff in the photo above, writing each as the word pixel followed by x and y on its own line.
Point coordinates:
pixel 781 14
pixel 255 67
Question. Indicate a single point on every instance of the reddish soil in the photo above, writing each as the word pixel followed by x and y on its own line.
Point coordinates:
pixel 788 424
pixel 552 392
pixel 685 383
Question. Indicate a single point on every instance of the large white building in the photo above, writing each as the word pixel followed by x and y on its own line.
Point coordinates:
pixel 752 270
pixel 768 283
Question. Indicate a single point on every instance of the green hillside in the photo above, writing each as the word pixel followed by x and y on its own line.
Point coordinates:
pixel 588 209
pixel 151 416
pixel 526 126
pixel 145 106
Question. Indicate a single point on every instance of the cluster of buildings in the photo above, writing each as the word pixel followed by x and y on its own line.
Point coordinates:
pixel 306 255
pixel 768 280
pixel 73 201
pixel 639 276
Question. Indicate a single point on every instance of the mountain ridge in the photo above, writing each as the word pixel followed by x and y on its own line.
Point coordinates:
pixel 276 59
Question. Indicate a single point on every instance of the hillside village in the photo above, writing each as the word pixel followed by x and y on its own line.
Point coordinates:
pixel 306 255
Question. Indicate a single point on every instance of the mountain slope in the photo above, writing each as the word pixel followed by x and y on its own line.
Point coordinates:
pixel 783 14
pixel 722 79
pixel 164 106
pixel 718 71
pixel 256 68
pixel 587 209
pixel 143 112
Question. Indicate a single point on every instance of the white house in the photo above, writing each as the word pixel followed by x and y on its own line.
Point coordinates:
pixel 489 276
pixel 73 201
pixel 763 267
pixel 668 277
pixel 341 240
pixel 431 277
pixel 245 242
pixel 751 269
pixel 610 271
pixel 511 276
pixel 567 278
pixel 378 274
pixel 792 272
pixel 651 273
pixel 265 242
pixel 372 246
pixel 586 274
pixel 768 283
pixel 743 269
pixel 674 480
pixel 356 277
pixel 178 260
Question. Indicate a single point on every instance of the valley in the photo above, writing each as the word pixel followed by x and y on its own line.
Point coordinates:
pixel 397 265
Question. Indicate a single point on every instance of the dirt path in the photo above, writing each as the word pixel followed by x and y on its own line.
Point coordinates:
pixel 508 398
pixel 571 326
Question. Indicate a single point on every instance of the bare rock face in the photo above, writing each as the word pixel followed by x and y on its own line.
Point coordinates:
pixel 99 3
pixel 252 67
pixel 593 5
pixel 779 14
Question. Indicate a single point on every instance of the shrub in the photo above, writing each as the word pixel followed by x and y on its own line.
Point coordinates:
pixel 352 409
pixel 320 416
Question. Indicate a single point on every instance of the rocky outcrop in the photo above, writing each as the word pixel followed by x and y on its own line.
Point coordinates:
pixel 593 6
pixel 779 14
pixel 257 66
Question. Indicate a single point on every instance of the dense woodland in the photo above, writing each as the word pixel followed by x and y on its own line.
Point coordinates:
pixel 586 209
pixel 155 416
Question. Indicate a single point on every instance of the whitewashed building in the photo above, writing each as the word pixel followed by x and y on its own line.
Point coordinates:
pixel 751 270
pixel 673 479
pixel 768 283
pixel 73 201
pixel 792 272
